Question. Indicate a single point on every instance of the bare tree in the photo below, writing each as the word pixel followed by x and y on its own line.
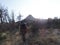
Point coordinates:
pixel 13 20
pixel 19 17
pixel 1 12
pixel 5 15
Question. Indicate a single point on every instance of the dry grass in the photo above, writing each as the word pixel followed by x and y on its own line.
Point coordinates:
pixel 15 39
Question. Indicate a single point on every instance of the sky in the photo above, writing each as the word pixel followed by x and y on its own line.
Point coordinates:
pixel 42 9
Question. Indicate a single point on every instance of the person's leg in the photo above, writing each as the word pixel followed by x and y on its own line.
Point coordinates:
pixel 23 37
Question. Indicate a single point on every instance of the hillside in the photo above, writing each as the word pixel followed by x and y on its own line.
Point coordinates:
pixel 37 32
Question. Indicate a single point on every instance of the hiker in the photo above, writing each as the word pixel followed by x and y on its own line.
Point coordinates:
pixel 23 30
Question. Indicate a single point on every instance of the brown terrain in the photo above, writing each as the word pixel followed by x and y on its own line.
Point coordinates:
pixel 37 33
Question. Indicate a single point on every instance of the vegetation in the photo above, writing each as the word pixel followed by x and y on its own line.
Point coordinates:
pixel 40 33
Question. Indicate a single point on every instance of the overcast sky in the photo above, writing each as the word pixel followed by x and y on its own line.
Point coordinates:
pixel 37 8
